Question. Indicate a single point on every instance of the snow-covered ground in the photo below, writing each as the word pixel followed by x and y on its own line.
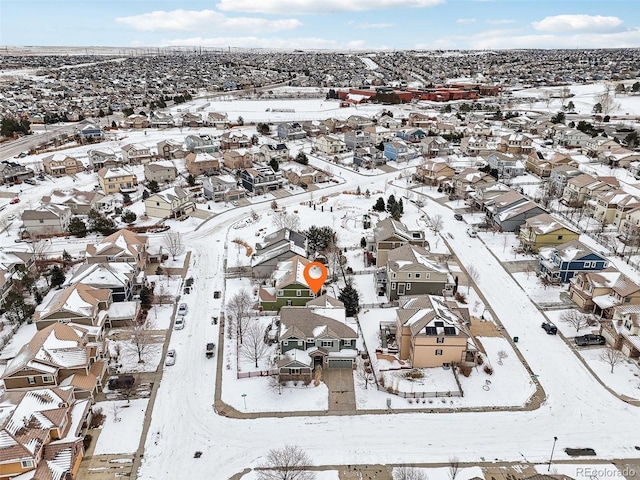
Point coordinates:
pixel 122 427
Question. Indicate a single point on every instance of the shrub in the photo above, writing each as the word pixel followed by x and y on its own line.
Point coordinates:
pixel 414 374
pixel 97 419
pixel 461 297
pixel 86 441
pixel 465 370
pixel 488 370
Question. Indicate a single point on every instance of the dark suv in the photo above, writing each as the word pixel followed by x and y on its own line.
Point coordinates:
pixel 550 328
pixel 585 340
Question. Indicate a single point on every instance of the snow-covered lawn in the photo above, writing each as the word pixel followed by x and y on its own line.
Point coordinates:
pixel 503 245
pixel 444 473
pixel 538 292
pixel 568 330
pixel 121 430
pixel 625 378
pixel 577 471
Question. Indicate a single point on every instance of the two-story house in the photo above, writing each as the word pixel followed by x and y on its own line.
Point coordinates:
pixel 161 120
pixel 398 151
pixel 219 120
pixel 515 143
pixel 136 154
pixel 291 131
pixel 330 145
pixel 390 234
pixel 562 262
pixel 238 159
pixel 13 172
pixel 121 246
pixel 584 286
pixel 434 172
pixel 170 149
pixel 474 146
pixel 582 188
pixel 507 165
pixel 623 330
pixel 278 152
pixel 201 143
pixel 203 163
pixel 79 201
pixel 544 231
pixel 161 172
pixel 287 285
pixel 173 202
pixel 599 144
pixel 46 220
pixel 612 206
pixel 60 164
pixel 541 163
pixel 411 135
pixel 355 139
pixel 103 157
pixel 277 247
pixel 119 277
pixel 259 180
pixel 468 180
pixel 222 188
pixel 117 180
pixel 368 157
pixel 435 146
pixel 79 304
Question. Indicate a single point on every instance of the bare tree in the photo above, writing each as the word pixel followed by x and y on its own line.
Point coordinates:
pixel 142 339
pixel 287 463
pixel 474 275
pixel 607 101
pixel 408 473
pixel 364 372
pixel 128 389
pixel 505 242
pixel 254 347
pixel 172 241
pixel 282 220
pixel 454 467
pixel 437 223
pixel 115 410
pixel 574 318
pixel 239 306
pixel 612 356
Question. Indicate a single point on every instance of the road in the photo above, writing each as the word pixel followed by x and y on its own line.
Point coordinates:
pixel 578 410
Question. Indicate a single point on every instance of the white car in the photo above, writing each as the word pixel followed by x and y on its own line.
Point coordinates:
pixel 182 309
pixel 170 359
pixel 472 232
pixel 179 323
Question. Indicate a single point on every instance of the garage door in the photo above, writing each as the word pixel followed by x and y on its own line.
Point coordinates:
pixel 339 363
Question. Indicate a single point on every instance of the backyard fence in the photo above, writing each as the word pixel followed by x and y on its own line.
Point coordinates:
pixel 449 393
pixel 261 373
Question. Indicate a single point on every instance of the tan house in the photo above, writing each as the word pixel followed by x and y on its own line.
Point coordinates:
pixel 581 188
pixel 434 172
pixel 619 157
pixel 473 146
pixel 46 220
pixel 469 180
pixel 203 163
pixel 60 355
pixel 515 143
pixel 136 154
pixel 170 149
pixel 59 164
pixel 120 246
pixel 162 172
pixel 237 159
pixel 218 120
pixel 42 433
pixel 330 145
pixel 79 304
pixel 79 201
pixel 622 332
pixel 117 180
pixel 171 203
pixel 544 231
pixel 136 121
pixel 431 332
pixel 540 164
pixel 600 291
pixel 389 234
pixel 599 144
pixel 613 206
pixel 234 139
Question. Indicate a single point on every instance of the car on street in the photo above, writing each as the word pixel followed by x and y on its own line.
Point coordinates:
pixel 182 309
pixel 179 323
pixel 590 339
pixel 550 328
pixel 458 216
pixel 14 201
pixel 211 347
pixel 472 232
pixel 170 359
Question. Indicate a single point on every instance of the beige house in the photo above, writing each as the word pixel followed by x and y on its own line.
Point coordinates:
pixel 171 203
pixel 431 332
pixel 161 172
pixel 515 143
pixel 581 188
pixel 237 159
pixel 330 145
pixel 600 291
pixel 121 246
pixel 203 163
pixel 389 234
pixel 117 180
pixel 136 154
pixel 79 201
pixel 434 172
pixel 541 163
pixel 46 220
pixel 59 164
pixel 79 304
pixel 623 330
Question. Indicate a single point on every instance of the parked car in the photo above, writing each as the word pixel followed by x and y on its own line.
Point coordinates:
pixel 14 201
pixel 472 232
pixel 121 381
pixel 211 347
pixel 550 328
pixel 458 216
pixel 590 339
pixel 182 309
pixel 170 359
pixel 30 181
pixel 179 323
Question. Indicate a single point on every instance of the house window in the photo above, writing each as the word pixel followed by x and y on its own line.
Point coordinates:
pixel 627 325
pixel 27 463
pixel 627 300
pixel 157 204
pixel 41 221
pixel 326 343
pixel 408 275
pixel 393 275
pixel 393 285
pixel 427 276
pixel 560 237
pixel 439 351
pixel 408 286
pixel 298 293
pixel 285 343
pixel 294 371
pixel 31 380
pixel 280 293
pixel 47 378
pixel 346 343
pixel 440 340
pixel 417 275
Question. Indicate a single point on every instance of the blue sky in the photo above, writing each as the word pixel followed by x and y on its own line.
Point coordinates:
pixel 323 24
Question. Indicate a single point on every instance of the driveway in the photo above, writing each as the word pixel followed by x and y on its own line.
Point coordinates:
pixel 342 397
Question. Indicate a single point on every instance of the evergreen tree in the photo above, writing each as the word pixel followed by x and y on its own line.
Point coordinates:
pixel 391 203
pixel 101 224
pixel 191 180
pixel 273 163
pixel 16 309
pixel 77 227
pixel 126 198
pixel 153 186
pixel 57 276
pixel 379 206
pixel 128 217
pixel 351 299
pixel 319 238
pixel 145 297
pixel 301 158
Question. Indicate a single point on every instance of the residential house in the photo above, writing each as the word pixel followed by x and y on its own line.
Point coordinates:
pixel 330 145
pixel 559 177
pixel 161 172
pixel 219 120
pixel 390 234
pixel 564 261
pixel 103 157
pixel 201 144
pixel 388 122
pixel 259 180
pixel 291 131
pixel 277 247
pixel 359 122
pixel 313 128
pixel 411 135
pixel 78 304
pixel 287 285
pixel 12 264
pixel 315 335
pixel 60 355
pixel 171 203
pixel 582 188
pixel 377 134
pixel 480 129
pixel 435 146
pixel 612 206
pixel 431 332
pixel 302 175
pixel 46 220
pixel 234 139
pixel 398 151
pixel 484 197
pixel 60 164
pixel 540 164
pixel 600 292
pixel 222 188
pixel 161 120
pixel 544 231
pixel 474 146
pixel 42 433
pixel 117 180
pixel 136 121
pixel 278 152
pixel 417 119
pixel 515 144
pixel 412 270
pixel 238 159
pixel 598 145
pixel 571 138
pixel 368 157
pixel 170 149
pixel 469 180
pixel 121 246
pixel 136 154
pixel 203 163
pixel 506 165
pixel 192 120
pixel 512 218
pixel 355 139
pixel 90 132
pixel 434 172
pixel 336 126
pixel 622 332
pixel 12 172
pixel 80 202
pixel 119 277
pixel 619 157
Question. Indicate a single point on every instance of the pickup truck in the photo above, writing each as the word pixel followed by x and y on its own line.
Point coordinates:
pixel 585 340
pixel 211 347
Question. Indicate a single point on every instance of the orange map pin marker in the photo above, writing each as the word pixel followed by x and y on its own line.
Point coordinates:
pixel 315 274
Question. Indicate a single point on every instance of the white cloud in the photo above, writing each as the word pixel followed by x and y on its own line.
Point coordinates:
pixel 564 23
pixel 366 25
pixel 202 21
pixel 288 7
pixel 465 21
pixel 505 21
pixel 308 43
